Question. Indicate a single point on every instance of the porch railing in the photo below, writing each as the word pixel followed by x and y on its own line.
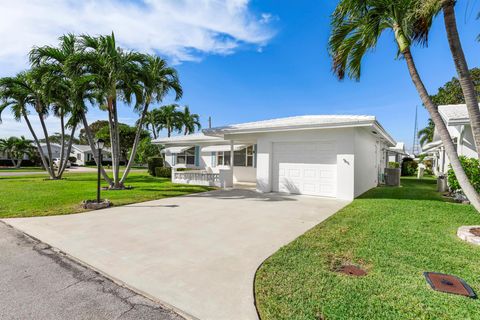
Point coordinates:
pixel 196 177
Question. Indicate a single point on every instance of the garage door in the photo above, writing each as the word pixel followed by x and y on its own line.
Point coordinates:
pixel 305 168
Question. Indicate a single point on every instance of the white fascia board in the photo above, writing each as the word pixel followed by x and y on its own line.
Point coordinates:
pixel 220 132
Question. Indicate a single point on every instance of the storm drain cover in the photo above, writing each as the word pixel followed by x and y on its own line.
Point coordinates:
pixel 352 270
pixel 449 284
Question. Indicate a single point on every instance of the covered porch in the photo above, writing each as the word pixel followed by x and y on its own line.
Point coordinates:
pixel 212 162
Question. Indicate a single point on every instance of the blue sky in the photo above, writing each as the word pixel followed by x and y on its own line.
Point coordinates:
pixel 292 76
pixel 284 69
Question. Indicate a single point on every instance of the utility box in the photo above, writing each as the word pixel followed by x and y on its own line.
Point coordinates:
pixel 442 184
pixel 392 177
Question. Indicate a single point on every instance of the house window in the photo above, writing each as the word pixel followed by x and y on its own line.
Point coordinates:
pixel 79 156
pixel 187 157
pixel 223 158
pixel 241 158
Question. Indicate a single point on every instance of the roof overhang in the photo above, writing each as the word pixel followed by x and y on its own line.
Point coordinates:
pixel 224 147
pixel 176 149
pixel 432 146
pixel 377 129
pixel 185 140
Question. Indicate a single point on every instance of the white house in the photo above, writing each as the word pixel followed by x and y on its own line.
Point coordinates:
pixel 458 124
pixel 84 154
pixel 335 156
pixel 397 153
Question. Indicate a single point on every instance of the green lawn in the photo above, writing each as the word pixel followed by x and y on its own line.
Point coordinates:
pixel 396 234
pixel 27 196
pixel 24 169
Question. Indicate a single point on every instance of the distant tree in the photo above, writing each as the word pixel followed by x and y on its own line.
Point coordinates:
pixel 169 118
pixel 127 137
pixel 426 134
pixel 16 149
pixel 190 121
pixel 57 138
pixel 451 92
pixel 94 128
pixel 146 150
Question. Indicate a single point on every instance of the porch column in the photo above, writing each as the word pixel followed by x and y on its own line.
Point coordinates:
pixel 231 158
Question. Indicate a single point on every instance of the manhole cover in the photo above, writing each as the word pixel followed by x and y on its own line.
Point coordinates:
pixel 352 270
pixel 449 284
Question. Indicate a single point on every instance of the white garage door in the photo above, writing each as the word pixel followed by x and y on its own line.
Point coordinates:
pixel 305 168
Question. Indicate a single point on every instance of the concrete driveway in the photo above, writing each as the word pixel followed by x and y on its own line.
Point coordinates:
pixel 196 253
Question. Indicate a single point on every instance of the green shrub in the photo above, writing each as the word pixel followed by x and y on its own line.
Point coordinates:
pixel 472 169
pixel 409 167
pixel 183 169
pixel 394 165
pixel 152 163
pixel 163 172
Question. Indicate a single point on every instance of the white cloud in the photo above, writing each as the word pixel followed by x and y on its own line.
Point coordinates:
pixel 182 30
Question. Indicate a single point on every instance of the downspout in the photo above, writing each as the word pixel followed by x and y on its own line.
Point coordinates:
pixel 460 140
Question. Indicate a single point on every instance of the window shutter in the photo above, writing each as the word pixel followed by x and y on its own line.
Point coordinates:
pixel 173 159
pixel 254 155
pixel 214 159
pixel 197 156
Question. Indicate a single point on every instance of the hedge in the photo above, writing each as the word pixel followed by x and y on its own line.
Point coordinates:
pixel 163 172
pixel 409 167
pixel 472 169
pixel 153 163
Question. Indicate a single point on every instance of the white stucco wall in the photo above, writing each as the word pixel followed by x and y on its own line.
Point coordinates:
pixel 370 160
pixel 344 139
pixel 466 147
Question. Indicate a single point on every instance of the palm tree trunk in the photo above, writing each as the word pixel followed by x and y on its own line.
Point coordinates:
pixel 49 149
pixel 62 141
pixel 19 163
pixel 155 133
pixel 114 137
pixel 441 127
pixel 91 143
pixel 69 149
pixel 135 144
pixel 117 142
pixel 37 142
pixel 461 65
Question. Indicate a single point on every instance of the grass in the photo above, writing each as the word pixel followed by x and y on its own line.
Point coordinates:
pixel 394 233
pixel 28 196
pixel 24 169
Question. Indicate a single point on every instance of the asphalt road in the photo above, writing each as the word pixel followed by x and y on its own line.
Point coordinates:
pixel 38 283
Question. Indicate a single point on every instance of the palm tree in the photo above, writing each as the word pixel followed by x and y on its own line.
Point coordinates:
pixel 150 124
pixel 67 91
pixel 169 118
pixel 17 93
pixel 23 147
pixel 190 121
pixel 157 79
pixel 113 72
pixel 433 7
pixel 426 134
pixel 356 28
pixel 8 147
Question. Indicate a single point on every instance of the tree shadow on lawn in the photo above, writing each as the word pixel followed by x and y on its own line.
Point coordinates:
pixel 410 189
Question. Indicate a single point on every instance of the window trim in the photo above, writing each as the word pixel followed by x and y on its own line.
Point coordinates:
pixel 221 155
pixel 186 156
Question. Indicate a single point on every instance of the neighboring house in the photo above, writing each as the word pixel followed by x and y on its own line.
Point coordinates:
pixel 458 124
pixel 397 153
pixel 84 154
pixel 54 147
pixel 321 155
